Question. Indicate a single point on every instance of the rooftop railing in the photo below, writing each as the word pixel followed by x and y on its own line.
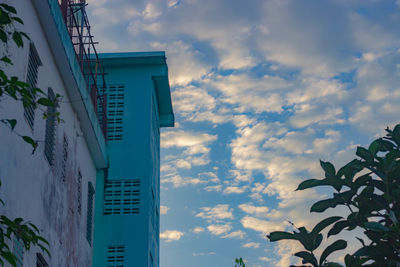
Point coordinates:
pixel 76 20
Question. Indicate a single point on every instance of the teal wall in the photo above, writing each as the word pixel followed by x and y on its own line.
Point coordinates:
pixel 136 157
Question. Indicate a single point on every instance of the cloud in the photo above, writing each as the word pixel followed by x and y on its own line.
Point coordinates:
pixel 203 254
pixel 217 213
pixel 259 211
pixel 178 181
pixel 251 245
pixel 171 235
pixel 219 229
pixel 198 230
pixel 163 210
pixel 266 259
pixel 235 189
pixel 262 226
pixel 185 139
pixel 236 234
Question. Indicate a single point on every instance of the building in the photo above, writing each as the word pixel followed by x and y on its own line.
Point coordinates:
pixel 68 187
pixel 128 200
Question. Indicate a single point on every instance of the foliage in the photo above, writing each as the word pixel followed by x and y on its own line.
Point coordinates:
pixel 369 186
pixel 239 262
pixel 12 87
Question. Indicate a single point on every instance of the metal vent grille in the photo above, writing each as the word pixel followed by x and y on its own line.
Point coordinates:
pixel 31 78
pixel 89 215
pixel 18 251
pixel 115 112
pixel 64 159
pixel 79 192
pixel 50 133
pixel 122 197
pixel 115 256
pixel 40 261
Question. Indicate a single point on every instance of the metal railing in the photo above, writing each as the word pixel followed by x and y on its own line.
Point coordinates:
pixel 76 20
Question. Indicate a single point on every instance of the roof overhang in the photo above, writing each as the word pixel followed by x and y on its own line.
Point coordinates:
pixel 161 82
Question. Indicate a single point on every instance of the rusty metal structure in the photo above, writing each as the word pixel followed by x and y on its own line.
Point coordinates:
pixel 76 20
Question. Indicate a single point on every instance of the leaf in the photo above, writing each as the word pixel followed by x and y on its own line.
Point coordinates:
pixel 311 183
pixel 376 227
pixel 19 20
pixel 11 123
pixel 338 227
pixel 9 8
pixel 328 168
pixel 279 235
pixel 4 18
pixel 45 102
pixel 307 257
pixel 18 39
pixel 30 141
pixel 337 245
pixel 3 36
pixel 325 223
pixel 364 154
pixel 6 60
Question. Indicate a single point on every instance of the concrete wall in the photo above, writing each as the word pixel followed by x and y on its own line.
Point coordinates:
pixel 31 188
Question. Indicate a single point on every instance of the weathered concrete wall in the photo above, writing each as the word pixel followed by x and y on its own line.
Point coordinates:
pixel 31 188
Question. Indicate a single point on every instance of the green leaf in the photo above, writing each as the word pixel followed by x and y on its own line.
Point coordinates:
pixel 307 257
pixel 279 235
pixel 338 227
pixel 364 154
pixel 376 227
pixel 311 183
pixel 30 141
pixel 19 20
pixel 6 60
pixel 18 39
pixel 12 123
pixel 322 205
pixel 45 102
pixel 4 18
pixel 325 223
pixel 3 36
pixel 328 168
pixel 25 35
pixel 337 245
pixel 9 8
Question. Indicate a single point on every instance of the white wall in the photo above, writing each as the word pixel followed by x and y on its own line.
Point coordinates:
pixel 31 188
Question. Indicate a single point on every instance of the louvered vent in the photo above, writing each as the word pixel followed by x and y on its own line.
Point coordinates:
pixel 122 197
pixel 115 112
pixel 115 256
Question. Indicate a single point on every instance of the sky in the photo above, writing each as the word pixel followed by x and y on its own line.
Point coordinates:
pixel 261 90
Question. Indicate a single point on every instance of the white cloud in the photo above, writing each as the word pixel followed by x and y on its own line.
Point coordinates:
pixel 217 213
pixel 151 11
pixel 219 229
pixel 163 210
pixel 198 230
pixel 262 226
pixel 203 254
pixel 178 181
pixel 266 259
pixel 185 139
pixel 235 189
pixel 251 245
pixel 236 234
pixel 171 235
pixel 260 211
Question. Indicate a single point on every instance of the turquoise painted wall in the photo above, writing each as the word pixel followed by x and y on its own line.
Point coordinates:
pixel 134 158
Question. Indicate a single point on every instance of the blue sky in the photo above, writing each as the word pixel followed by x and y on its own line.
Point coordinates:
pixel 262 89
